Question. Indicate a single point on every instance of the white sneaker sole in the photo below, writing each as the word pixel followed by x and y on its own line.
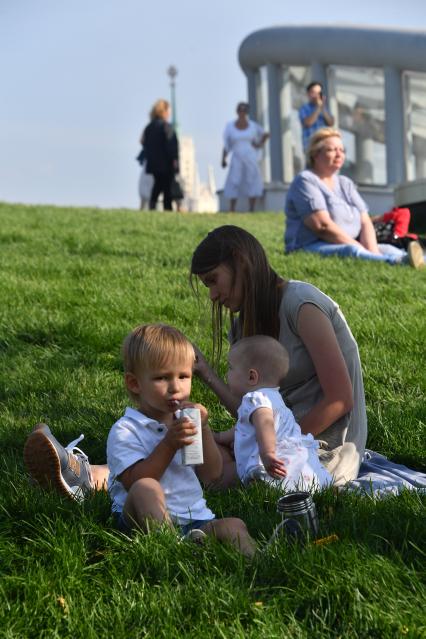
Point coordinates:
pixel 43 464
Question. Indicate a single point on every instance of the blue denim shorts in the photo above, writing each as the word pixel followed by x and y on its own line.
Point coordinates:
pixel 122 524
pixel 127 528
pixel 197 523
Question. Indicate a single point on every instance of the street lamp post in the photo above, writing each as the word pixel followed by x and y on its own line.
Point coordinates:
pixel 172 73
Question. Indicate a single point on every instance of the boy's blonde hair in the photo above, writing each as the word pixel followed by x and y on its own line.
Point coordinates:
pixel 153 346
pixel 316 142
pixel 266 354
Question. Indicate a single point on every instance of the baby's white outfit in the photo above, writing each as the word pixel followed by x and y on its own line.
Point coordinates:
pixel 133 438
pixel 297 451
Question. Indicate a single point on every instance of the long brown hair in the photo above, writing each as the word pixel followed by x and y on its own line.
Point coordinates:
pixel 261 286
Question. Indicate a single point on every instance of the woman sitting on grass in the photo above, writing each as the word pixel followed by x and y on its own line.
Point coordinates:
pixel 326 215
pixel 323 388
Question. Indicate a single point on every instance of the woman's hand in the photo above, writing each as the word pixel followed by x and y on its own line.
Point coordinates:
pixel 208 375
pixel 258 145
pixel 367 236
pixel 326 229
pixel 201 366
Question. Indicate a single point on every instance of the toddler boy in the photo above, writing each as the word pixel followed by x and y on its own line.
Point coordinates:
pixel 148 483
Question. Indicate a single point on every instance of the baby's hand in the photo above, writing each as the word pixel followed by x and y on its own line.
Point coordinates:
pixel 180 433
pixel 273 465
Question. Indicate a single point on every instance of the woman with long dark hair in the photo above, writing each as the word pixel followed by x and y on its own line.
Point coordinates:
pixel 324 386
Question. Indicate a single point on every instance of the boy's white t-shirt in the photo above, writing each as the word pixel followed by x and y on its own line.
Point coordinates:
pixel 132 438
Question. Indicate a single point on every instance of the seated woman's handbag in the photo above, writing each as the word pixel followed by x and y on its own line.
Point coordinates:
pixel 385 232
pixel 394 228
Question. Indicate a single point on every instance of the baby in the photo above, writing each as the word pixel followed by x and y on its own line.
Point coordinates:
pixel 268 442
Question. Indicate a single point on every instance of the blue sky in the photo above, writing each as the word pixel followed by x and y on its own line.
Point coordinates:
pixel 78 79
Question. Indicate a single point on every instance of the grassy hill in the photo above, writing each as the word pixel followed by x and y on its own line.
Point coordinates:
pixel 73 282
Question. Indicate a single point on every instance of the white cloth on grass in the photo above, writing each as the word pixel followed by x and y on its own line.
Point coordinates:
pixel 380 477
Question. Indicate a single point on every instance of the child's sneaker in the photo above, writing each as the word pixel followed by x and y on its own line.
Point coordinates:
pixel 196 535
pixel 53 466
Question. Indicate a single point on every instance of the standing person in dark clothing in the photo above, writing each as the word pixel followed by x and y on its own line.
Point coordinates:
pixel 161 151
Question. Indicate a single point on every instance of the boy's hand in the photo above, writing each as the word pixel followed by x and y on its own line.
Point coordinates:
pixel 180 433
pixel 204 414
pixel 273 465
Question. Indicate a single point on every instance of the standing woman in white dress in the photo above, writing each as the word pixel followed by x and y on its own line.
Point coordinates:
pixel 243 138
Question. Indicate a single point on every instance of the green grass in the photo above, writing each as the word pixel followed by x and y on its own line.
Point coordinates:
pixel 73 282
